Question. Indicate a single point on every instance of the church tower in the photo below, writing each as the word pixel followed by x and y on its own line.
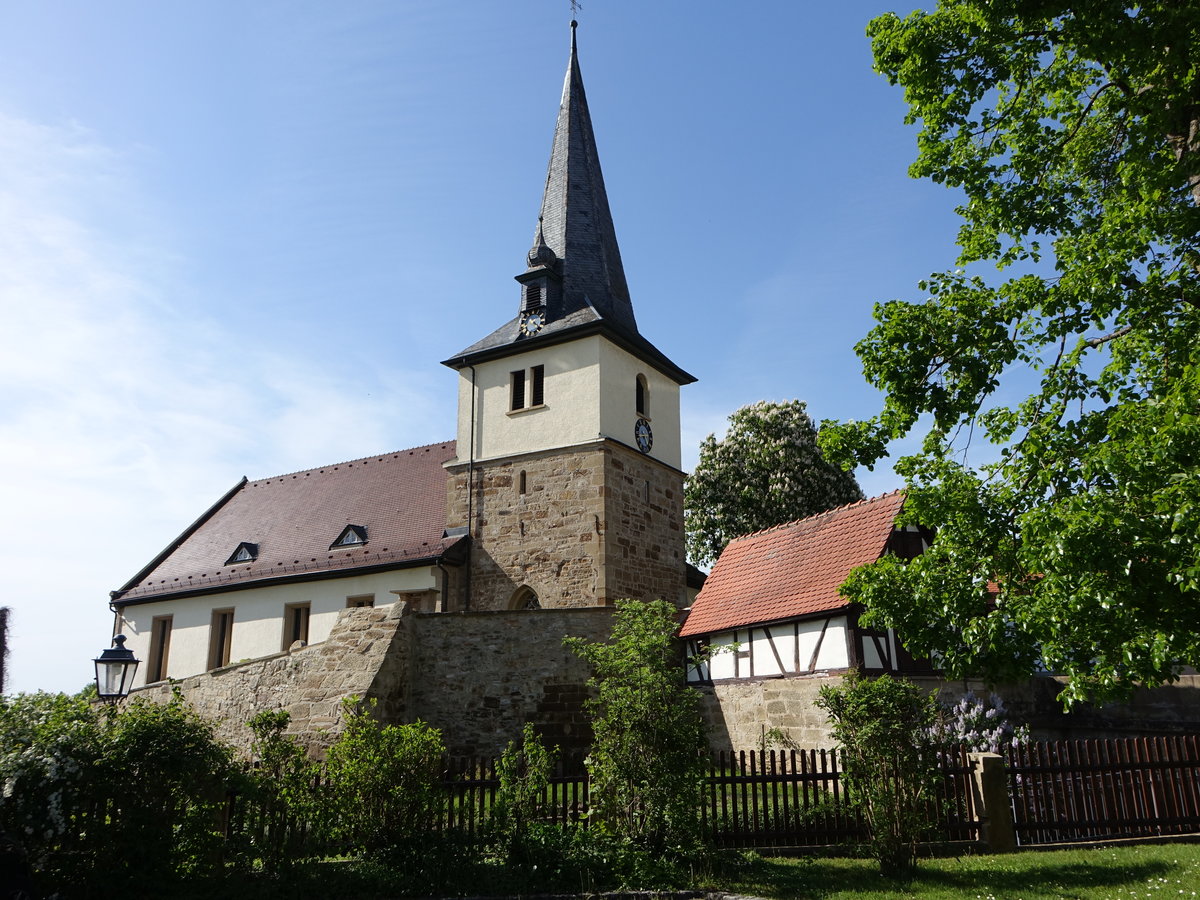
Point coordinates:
pixel 567 476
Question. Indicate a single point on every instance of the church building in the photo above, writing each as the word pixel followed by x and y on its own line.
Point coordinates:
pixel 562 492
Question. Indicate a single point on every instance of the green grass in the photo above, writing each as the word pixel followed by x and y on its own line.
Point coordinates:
pixel 1109 873
pixel 1158 871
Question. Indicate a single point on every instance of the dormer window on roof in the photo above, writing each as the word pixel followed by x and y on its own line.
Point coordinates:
pixel 245 552
pixel 351 536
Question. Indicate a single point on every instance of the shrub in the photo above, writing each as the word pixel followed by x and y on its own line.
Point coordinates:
pixel 137 789
pixel 383 792
pixel 524 774
pixel 981 725
pixel 647 757
pixel 281 782
pixel 885 727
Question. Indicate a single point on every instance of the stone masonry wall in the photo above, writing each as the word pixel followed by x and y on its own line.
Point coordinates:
pixel 479 677
pixel 366 655
pixel 739 713
pixel 545 539
pixel 644 550
pixel 595 525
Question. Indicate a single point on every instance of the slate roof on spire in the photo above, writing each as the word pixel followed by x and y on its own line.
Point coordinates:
pixel 575 224
pixel 575 220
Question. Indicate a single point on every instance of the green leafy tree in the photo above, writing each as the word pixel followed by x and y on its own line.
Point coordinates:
pixel 765 471
pixel 885 727
pixel 1072 131
pixel 647 756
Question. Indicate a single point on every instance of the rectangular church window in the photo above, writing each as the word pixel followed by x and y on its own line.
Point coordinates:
pixel 160 648
pixel 295 623
pixel 220 638
pixel 537 394
pixel 518 390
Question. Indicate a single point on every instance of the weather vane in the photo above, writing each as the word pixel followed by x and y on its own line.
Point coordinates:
pixel 576 6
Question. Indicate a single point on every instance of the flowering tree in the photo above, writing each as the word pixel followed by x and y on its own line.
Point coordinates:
pixel 981 725
pixel 767 470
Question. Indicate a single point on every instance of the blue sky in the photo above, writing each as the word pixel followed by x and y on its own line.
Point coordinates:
pixel 236 239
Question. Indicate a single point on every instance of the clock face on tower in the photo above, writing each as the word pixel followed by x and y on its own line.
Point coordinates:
pixel 645 437
pixel 532 322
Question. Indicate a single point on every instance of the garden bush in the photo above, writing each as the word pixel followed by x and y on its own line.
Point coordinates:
pixel 134 792
pixel 648 755
pixel 886 728
pixel 383 787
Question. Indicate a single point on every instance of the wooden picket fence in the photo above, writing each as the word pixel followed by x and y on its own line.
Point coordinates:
pixel 1088 790
pixel 777 799
pixel 1060 791
pixel 471 784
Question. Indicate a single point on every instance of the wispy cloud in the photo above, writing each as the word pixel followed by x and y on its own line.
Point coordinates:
pixel 124 413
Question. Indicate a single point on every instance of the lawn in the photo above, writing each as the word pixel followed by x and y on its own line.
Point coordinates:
pixel 1106 873
pixel 1109 873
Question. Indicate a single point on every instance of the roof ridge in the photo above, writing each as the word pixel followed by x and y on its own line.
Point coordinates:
pixel 348 462
pixel 827 512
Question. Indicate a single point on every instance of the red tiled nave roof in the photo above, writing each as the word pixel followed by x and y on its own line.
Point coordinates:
pixel 794 569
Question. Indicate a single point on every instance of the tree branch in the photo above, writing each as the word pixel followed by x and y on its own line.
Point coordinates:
pixel 1104 339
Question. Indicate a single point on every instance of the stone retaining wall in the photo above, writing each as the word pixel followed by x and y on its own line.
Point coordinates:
pixel 740 713
pixel 478 677
pixel 364 656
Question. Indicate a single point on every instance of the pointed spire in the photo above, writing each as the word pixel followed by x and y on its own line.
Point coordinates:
pixel 575 224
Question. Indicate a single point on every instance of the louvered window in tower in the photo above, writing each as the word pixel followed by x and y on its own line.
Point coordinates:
pixel 533 297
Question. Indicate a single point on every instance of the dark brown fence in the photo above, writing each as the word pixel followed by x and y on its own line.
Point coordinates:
pixel 796 798
pixel 471 784
pixel 766 800
pixel 1102 789
pixel 1060 791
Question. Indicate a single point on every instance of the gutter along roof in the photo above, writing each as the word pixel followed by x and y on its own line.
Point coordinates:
pixel 399 498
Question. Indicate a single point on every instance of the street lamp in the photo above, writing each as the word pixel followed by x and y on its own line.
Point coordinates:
pixel 115 668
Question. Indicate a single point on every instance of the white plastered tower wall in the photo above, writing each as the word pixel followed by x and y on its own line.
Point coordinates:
pixel 258 616
pixel 590 386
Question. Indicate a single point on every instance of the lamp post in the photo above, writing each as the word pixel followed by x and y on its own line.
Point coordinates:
pixel 115 668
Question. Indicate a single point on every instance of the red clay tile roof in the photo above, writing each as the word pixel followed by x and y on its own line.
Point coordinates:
pixel 794 569
pixel 400 498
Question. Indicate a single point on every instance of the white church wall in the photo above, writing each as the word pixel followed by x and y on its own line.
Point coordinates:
pixel 258 616
pixel 618 413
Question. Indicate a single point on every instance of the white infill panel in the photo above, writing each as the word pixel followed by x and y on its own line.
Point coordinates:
pixel 809 635
pixel 773 649
pixel 697 667
pixel 870 653
pixel 722 663
pixel 833 653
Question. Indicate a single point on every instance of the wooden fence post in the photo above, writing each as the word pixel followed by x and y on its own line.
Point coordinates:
pixel 989 784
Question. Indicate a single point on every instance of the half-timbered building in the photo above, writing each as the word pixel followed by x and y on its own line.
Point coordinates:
pixel 771 607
